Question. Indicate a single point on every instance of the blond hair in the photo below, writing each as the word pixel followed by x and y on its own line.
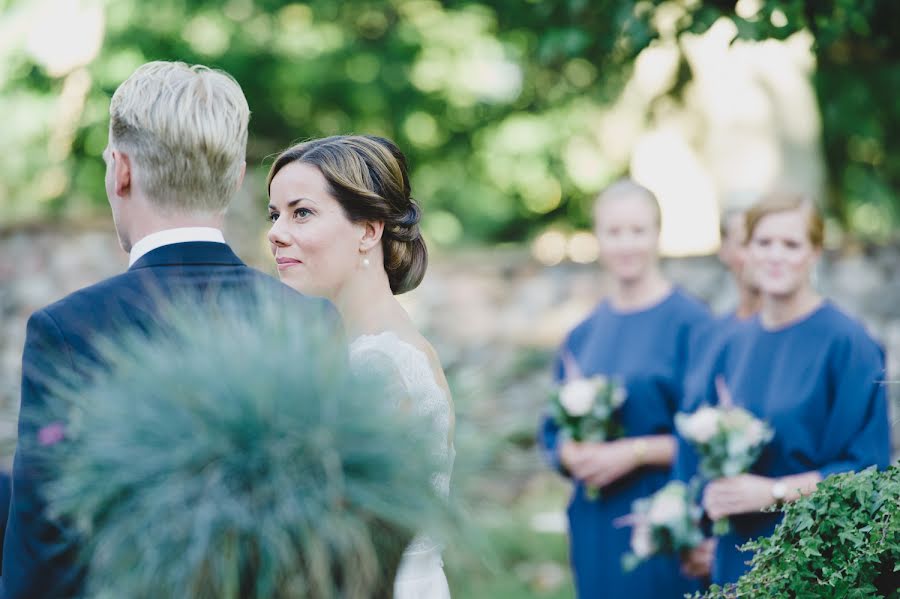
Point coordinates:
pixel 185 129
pixel 781 201
pixel 630 188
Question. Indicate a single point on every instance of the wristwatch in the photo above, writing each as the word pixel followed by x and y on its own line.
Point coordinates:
pixel 779 491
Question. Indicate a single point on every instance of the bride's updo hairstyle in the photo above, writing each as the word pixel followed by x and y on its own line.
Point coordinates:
pixel 368 177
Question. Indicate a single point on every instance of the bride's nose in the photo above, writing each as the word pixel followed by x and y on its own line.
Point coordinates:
pixel 277 236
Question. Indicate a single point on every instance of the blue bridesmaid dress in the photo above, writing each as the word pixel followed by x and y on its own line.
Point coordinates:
pixel 647 350
pixel 819 383
pixel 5 492
pixel 705 347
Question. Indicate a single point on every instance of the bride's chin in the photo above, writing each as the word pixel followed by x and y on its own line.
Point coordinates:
pixel 287 281
pixel 300 288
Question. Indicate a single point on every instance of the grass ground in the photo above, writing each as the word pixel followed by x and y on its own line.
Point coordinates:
pixel 525 564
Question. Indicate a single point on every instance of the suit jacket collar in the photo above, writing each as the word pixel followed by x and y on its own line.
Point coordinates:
pixel 189 253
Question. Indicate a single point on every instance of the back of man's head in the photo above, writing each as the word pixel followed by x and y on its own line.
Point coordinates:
pixel 185 130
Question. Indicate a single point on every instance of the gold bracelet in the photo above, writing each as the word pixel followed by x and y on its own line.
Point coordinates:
pixel 639 446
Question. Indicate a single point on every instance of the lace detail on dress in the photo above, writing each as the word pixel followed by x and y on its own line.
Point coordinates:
pixel 387 351
pixel 373 352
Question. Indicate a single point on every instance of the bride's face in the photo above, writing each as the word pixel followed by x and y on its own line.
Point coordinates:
pixel 316 247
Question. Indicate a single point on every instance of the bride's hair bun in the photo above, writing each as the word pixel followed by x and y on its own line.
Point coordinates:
pixel 368 176
pixel 411 216
pixel 406 228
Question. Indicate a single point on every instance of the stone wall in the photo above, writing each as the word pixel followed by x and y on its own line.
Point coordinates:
pixel 494 315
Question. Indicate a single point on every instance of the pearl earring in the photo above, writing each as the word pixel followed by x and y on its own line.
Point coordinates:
pixel 365 262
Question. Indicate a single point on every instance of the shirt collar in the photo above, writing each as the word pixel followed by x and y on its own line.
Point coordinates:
pixel 170 236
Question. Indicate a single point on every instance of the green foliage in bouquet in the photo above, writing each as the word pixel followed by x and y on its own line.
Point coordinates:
pixel 728 440
pixel 841 541
pixel 585 408
pixel 665 523
pixel 233 456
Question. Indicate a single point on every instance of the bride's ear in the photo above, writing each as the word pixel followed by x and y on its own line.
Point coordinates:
pixel 371 235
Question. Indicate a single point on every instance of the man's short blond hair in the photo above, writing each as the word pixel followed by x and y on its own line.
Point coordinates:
pixel 185 129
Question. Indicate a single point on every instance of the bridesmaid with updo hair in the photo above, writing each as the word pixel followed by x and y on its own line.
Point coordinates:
pixel 638 335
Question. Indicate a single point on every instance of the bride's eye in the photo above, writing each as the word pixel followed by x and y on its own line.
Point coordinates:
pixel 302 212
pixel 273 216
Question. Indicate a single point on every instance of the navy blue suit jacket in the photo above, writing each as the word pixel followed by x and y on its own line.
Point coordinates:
pixel 39 554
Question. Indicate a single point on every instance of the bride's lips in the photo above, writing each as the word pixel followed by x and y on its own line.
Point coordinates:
pixel 284 263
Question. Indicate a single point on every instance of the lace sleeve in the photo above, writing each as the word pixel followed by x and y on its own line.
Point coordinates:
pixel 404 371
pixel 378 366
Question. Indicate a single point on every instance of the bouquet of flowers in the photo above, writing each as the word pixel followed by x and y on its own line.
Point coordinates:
pixel 667 522
pixel 728 440
pixel 583 408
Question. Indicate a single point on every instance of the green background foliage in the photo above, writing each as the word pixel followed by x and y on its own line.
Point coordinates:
pixel 484 96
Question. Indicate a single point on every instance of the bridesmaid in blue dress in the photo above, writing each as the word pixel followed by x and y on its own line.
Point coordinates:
pixel 640 334
pixel 804 366
pixel 5 497
pixel 708 340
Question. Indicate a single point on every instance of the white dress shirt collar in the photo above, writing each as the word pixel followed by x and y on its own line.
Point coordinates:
pixel 170 236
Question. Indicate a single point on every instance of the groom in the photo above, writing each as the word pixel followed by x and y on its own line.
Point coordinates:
pixel 177 143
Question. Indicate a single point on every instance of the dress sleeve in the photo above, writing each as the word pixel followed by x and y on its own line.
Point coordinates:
pixel 857 433
pixel 377 365
pixel 704 363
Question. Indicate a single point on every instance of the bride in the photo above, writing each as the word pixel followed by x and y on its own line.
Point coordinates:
pixel 344 227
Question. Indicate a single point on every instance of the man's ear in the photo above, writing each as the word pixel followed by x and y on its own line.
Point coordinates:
pixel 122 173
pixel 240 180
pixel 371 234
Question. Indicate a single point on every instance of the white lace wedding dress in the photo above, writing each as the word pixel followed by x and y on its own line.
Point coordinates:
pixel 421 572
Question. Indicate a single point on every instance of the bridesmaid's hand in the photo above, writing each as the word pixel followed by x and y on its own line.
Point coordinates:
pixel 568 453
pixel 697 563
pixel 601 464
pixel 740 494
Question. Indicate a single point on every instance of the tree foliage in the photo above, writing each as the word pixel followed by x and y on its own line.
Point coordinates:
pixel 857 74
pixel 490 98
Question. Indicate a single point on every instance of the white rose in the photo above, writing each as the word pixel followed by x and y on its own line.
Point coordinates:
pixel 641 541
pixel 702 425
pixel 599 380
pixel 737 419
pixel 666 508
pixel 754 434
pixel 618 396
pixel 577 397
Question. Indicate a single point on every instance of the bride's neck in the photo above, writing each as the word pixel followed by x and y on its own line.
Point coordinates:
pixel 367 304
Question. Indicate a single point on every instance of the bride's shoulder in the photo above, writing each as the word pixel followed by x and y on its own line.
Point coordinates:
pixel 415 339
pixel 400 346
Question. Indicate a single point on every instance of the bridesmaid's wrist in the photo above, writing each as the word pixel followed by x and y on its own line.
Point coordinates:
pixel 639 449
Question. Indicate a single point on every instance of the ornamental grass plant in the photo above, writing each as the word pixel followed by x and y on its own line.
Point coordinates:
pixel 230 454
